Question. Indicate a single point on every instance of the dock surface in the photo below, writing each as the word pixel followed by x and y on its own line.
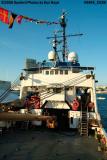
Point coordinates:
pixel 48 145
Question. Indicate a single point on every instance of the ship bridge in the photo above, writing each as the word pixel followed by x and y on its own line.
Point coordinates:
pixel 75 67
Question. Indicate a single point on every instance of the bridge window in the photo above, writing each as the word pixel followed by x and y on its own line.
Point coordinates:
pixel 66 71
pixel 61 71
pixel 51 72
pixel 56 71
pixel 47 72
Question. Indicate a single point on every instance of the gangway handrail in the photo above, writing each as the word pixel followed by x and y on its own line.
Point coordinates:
pixel 73 80
pixel 79 81
pixel 7 91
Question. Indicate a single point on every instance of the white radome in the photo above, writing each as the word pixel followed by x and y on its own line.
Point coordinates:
pixel 72 57
pixel 52 56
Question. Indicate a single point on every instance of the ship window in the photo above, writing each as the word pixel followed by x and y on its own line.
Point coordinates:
pixel 61 71
pixel 56 71
pixel 47 72
pixel 66 71
pixel 51 72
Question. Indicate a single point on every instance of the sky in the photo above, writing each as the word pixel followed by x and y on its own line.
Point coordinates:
pixel 28 40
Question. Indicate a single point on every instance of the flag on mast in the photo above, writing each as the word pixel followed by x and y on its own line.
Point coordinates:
pixel 4 15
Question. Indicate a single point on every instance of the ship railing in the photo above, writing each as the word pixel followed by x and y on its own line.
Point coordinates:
pixel 38 69
pixel 68 82
pixel 62 85
pixel 71 82
pixel 75 81
pixel 8 90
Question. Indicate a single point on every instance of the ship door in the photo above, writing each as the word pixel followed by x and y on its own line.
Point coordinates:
pixel 62 119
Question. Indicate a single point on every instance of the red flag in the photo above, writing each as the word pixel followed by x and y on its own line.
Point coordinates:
pixel 4 15
pixel 19 19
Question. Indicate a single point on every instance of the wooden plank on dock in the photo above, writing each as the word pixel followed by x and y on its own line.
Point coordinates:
pixel 5 116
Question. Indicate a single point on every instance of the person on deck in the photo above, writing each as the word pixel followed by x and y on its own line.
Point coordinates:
pixel 85 99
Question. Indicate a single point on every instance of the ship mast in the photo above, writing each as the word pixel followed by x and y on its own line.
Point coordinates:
pixel 55 43
pixel 64 36
pixel 63 25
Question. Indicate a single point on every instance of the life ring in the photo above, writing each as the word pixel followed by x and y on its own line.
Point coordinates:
pixel 75 105
pixel 35 100
pixel 37 105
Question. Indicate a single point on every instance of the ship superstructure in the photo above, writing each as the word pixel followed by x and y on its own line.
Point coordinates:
pixel 61 88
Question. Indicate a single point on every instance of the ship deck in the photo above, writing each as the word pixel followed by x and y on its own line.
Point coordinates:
pixel 48 145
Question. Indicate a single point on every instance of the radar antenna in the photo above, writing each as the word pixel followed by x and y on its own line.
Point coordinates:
pixel 64 37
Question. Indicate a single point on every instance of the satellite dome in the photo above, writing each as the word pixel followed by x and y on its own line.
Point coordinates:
pixel 72 57
pixel 52 56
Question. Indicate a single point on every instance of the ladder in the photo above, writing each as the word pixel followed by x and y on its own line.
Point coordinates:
pixel 84 122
